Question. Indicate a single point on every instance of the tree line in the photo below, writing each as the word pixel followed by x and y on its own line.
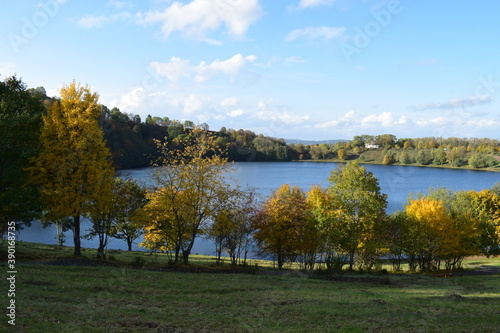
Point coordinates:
pixel 346 223
pixel 56 166
pixel 388 149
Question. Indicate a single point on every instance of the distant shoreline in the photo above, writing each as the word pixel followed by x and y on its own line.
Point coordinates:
pixel 488 169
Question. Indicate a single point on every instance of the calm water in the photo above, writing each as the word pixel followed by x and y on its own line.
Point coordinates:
pixel 395 181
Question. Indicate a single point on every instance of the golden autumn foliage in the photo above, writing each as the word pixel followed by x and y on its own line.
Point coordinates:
pixel 284 226
pixel 190 186
pixel 445 230
pixel 73 169
pixel 486 205
pixel 231 225
pixel 327 216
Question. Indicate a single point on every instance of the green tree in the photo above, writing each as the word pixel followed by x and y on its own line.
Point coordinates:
pixel 361 205
pixel 74 164
pixel 385 140
pixel 130 198
pixel 396 233
pixel 423 157
pixel 496 189
pixel 481 161
pixel 342 153
pixel 456 156
pixel 20 124
pixel 439 156
pixel 102 213
pixel 404 158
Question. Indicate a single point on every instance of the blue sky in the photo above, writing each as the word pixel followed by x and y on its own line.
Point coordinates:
pixel 303 69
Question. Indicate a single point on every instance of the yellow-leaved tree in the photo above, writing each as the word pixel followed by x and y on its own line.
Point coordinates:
pixel 327 217
pixel 190 186
pixel 449 228
pixel 486 206
pixel 284 226
pixel 231 226
pixel 73 170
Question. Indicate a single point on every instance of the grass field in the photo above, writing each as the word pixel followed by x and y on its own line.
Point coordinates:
pixel 55 293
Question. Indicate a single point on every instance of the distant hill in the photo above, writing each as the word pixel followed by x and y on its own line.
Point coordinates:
pixel 312 142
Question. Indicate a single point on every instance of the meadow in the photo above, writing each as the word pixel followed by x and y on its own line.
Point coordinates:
pixel 139 292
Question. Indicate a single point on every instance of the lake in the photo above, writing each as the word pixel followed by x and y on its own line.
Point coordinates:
pixel 398 182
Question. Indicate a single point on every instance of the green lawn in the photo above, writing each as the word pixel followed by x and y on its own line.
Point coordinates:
pixel 94 298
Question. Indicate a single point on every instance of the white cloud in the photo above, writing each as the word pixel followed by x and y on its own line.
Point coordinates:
pixel 483 123
pixel 294 59
pixel 189 104
pixel 434 121
pixel 315 33
pixel 352 119
pixel 231 67
pixel 454 103
pixel 228 102
pixel 314 3
pixel 284 117
pixel 197 17
pixel 291 119
pixel 346 119
pixel 131 100
pixel 91 21
pixel 174 70
pixel 384 119
pixel 119 4
pixel 236 113
pixel 458 125
pixel 178 68
pixel 262 106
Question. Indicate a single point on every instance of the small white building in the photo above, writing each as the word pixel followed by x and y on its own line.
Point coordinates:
pixel 371 146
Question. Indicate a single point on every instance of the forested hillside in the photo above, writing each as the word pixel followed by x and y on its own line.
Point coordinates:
pixel 132 143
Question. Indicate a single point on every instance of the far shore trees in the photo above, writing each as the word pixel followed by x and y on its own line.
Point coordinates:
pixel 74 165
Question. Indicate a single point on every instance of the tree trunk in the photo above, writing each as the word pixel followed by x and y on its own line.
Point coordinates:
pixel 177 251
pixel 129 243
pixel 100 250
pixel 351 260
pixel 185 256
pixel 76 236
pixel 280 261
